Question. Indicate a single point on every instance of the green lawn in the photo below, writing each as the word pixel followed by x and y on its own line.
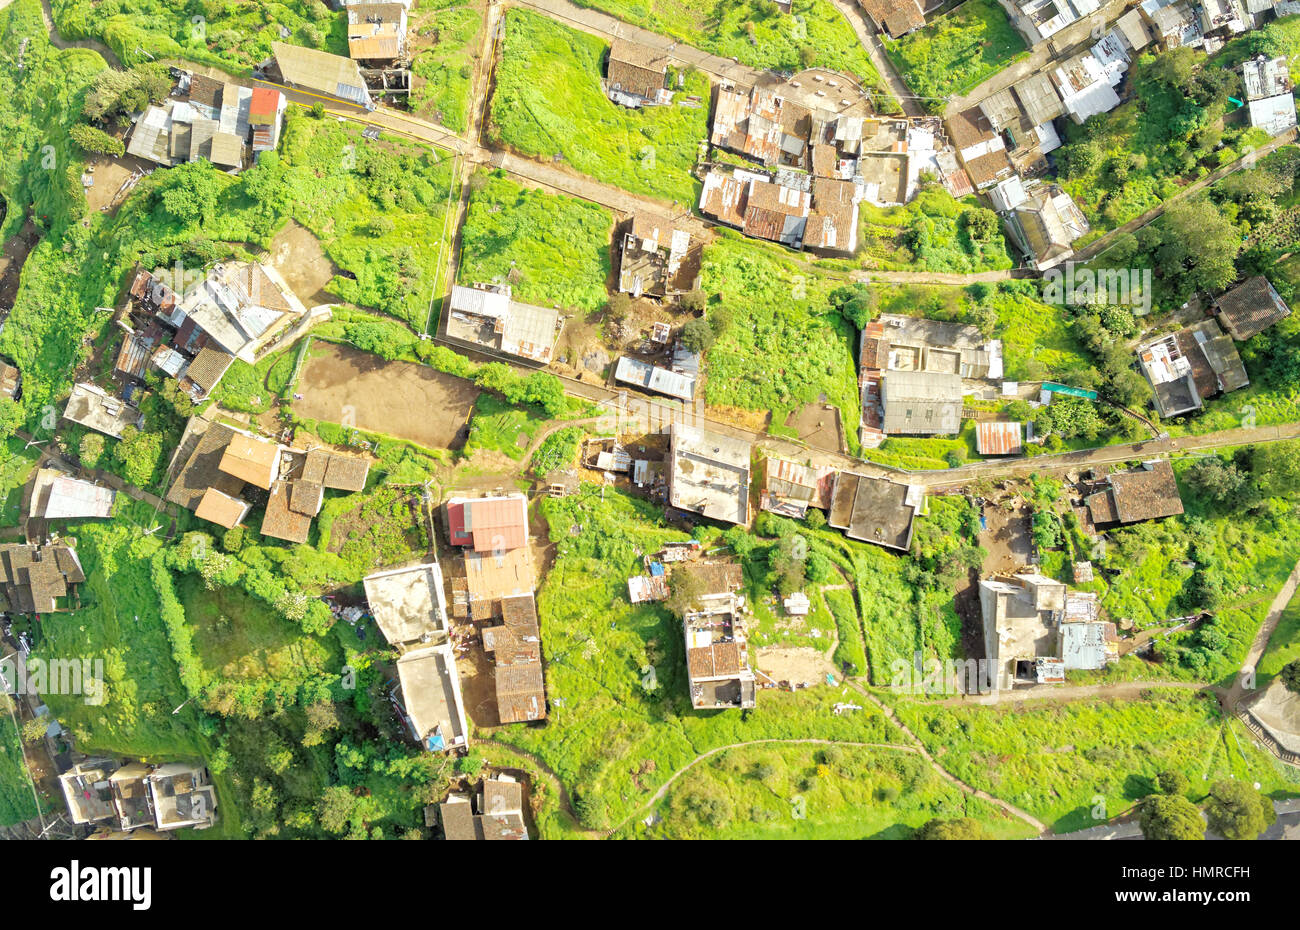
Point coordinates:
pixel 552 249
pixel 239 637
pixel 783 348
pixel 446 70
pixel 954 53
pixel 230 33
pixel 609 737
pixel 813 33
pixel 548 102
pixel 1284 644
pixel 1063 762
pixel 789 792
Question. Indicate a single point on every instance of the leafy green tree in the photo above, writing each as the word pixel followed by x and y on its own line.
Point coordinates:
pixel 1290 676
pixel 1172 781
pixel 698 336
pixel 855 302
pixel 92 449
pixel 1170 817
pixel 11 417
pixel 91 139
pixel 191 192
pixel 1236 811
pixel 336 808
pixel 961 828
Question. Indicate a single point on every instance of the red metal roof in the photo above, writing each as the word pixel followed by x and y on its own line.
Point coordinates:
pixel 489 524
pixel 265 102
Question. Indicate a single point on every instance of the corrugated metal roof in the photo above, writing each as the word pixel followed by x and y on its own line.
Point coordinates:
pixel 995 438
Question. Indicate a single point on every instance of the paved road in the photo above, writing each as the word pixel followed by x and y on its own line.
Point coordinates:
pixel 1287 827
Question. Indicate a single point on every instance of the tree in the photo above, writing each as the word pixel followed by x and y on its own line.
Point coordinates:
pixel 1199 244
pixel 1170 817
pixel 692 302
pixel 982 225
pixel 191 192
pixel 697 336
pixel 92 449
pixel 335 808
pixel 91 139
pixel 962 828
pixel 322 717
pixel 684 589
pixel 138 454
pixel 1290 676
pixel 855 302
pixel 1172 782
pixel 1237 811
pixel 11 417
pixel 34 729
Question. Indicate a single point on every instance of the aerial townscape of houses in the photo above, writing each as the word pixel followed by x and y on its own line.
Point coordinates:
pixel 793 160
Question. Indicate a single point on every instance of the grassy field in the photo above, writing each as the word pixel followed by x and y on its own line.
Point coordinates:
pixel 229 33
pixel 610 738
pixel 239 637
pixel 549 103
pixel 502 427
pixel 1284 644
pixel 782 318
pixel 1062 762
pixel 757 34
pixel 552 249
pixel 120 622
pixel 17 802
pixel 954 53
pixel 788 792
pixel 928 234
pixel 447 67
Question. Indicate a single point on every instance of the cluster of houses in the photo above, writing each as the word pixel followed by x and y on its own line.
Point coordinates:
pixel 225 123
pixel 194 334
pixel 496 592
pixel 409 606
pixel 38 579
pixel 220 472
pixel 1200 361
pixel 494 812
pixel 1036 628
pixel 138 799
pixel 913 374
pixel 486 316
pixel 813 167
pixel 491 588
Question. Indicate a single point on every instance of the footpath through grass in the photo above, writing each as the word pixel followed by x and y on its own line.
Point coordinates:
pixel 549 103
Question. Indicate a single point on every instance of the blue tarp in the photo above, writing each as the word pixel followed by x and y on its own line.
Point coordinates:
pixel 657 569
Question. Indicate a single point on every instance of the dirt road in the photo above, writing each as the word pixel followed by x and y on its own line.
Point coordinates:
pixel 1238 690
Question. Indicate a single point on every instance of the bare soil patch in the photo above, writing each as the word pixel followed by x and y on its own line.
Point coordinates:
pixel 794 664
pixel 302 262
pixel 339 384
pixel 1007 537
pixel 818 425
pixel 110 176
pixel 12 258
